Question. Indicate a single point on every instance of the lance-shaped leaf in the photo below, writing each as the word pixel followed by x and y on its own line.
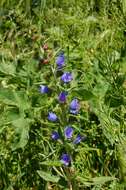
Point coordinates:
pixel 47 176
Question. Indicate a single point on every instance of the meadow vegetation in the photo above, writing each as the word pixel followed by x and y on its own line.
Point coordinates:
pixel 63 95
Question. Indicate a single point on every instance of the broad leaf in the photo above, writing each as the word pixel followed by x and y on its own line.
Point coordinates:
pixel 47 176
pixel 7 68
pixel 22 100
pixel 7 97
pixel 84 94
pixel 96 180
pixel 102 179
pixel 21 133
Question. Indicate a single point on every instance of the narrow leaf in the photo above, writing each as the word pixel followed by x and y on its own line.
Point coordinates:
pixel 51 163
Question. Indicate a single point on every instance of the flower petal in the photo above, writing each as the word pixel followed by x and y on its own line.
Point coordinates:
pixel 52 116
pixel 62 97
pixel 44 89
pixel 66 77
pixel 68 132
pixel 55 135
pixel 65 159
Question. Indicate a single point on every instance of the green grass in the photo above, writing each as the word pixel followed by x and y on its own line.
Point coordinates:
pixel 92 35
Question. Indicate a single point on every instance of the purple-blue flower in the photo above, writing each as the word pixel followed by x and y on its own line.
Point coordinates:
pixel 68 132
pixel 60 61
pixel 65 159
pixel 62 97
pixel 52 116
pixel 75 112
pixel 66 77
pixel 44 89
pixel 78 139
pixel 74 106
pixel 55 135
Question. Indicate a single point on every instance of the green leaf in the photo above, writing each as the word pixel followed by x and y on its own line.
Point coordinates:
pixel 51 163
pixel 21 133
pixel 7 97
pixel 100 89
pixel 22 100
pixel 84 94
pixel 7 68
pixel 12 115
pixel 120 80
pixel 84 181
pixel 121 155
pixel 2 128
pixel 7 117
pixel 19 98
pixel 124 6
pixel 102 179
pixel 114 100
pixel 95 181
pixel 48 177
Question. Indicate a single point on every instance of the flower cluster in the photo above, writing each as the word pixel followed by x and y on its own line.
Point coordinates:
pixel 68 133
pixel 73 108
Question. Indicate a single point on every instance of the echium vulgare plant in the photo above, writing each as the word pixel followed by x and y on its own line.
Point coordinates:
pixel 66 131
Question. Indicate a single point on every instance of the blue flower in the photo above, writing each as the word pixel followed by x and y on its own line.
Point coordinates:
pixel 62 97
pixel 75 112
pixel 74 106
pixel 68 132
pixel 66 77
pixel 44 89
pixel 55 135
pixel 52 116
pixel 65 159
pixel 79 138
pixel 60 61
